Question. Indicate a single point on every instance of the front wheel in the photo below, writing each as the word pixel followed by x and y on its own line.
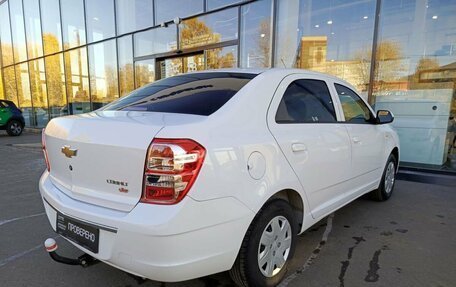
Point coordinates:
pixel 14 128
pixel 385 190
pixel 267 248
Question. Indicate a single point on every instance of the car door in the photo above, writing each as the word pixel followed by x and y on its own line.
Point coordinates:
pixel 367 140
pixel 303 120
pixel 5 114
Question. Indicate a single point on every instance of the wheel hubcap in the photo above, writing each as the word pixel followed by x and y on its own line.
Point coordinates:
pixel 389 177
pixel 274 248
pixel 16 128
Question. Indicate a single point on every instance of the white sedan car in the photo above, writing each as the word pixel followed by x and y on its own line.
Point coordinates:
pixel 213 171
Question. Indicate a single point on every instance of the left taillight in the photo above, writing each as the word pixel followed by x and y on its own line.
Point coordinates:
pixel 172 166
pixel 43 146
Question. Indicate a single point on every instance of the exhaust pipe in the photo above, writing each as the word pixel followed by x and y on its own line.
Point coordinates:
pixel 84 260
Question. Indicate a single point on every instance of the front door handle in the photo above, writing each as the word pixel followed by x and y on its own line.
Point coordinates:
pixel 297 147
pixel 356 140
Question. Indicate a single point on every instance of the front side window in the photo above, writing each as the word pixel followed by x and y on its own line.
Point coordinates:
pixel 306 101
pixel 355 110
pixel 197 94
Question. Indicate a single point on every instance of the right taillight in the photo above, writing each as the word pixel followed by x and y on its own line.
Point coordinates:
pixel 43 146
pixel 172 166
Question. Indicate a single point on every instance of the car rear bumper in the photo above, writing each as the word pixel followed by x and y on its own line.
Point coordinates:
pixel 161 242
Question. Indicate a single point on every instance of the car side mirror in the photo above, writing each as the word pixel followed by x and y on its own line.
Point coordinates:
pixel 384 117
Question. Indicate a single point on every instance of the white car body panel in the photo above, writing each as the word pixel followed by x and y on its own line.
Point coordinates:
pixel 202 234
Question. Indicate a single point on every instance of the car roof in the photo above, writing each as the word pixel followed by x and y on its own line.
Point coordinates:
pixel 278 71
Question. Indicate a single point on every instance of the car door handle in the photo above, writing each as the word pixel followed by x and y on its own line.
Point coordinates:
pixel 297 147
pixel 356 140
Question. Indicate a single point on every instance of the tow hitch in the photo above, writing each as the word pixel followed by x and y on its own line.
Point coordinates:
pixel 84 260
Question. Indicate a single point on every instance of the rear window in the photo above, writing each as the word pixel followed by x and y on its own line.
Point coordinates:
pixel 198 94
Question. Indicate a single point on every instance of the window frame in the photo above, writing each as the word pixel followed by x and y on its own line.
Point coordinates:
pixel 373 117
pixel 299 78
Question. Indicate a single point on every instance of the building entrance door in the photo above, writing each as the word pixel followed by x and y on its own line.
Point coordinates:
pixel 169 67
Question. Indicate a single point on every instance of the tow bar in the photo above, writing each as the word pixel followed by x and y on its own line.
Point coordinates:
pixel 84 260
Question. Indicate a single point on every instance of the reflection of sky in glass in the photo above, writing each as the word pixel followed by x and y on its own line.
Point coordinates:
pixel 421 28
pixel 50 21
pixel 214 4
pixel 133 15
pixel 73 22
pixel 17 28
pixel 167 10
pixel 343 22
pixel 100 20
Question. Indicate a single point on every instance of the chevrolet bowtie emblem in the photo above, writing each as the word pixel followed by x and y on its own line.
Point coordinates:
pixel 68 152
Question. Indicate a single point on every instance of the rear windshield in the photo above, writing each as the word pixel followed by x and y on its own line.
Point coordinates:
pixel 198 94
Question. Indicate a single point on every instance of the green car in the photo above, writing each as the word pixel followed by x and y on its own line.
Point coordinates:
pixel 11 118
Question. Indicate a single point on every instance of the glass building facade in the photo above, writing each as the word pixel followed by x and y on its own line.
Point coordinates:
pixel 61 57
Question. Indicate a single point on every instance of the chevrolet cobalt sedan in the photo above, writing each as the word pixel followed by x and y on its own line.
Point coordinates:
pixel 212 171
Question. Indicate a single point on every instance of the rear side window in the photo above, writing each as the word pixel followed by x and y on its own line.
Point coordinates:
pixel 306 101
pixel 355 110
pixel 198 94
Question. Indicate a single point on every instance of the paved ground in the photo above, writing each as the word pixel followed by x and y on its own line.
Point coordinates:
pixel 407 241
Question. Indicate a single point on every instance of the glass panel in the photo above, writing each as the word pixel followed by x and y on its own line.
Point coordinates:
pixel 23 93
pixel 193 63
pixel 33 28
pixel 415 78
pixel 170 67
pixel 133 15
pixel 103 73
pixel 10 84
pixel 52 31
pixel 209 29
pixel 256 34
pixel 77 81
pixel 158 40
pixel 126 75
pixel 198 94
pixel 39 94
pixel 73 23
pixel 219 58
pixel 55 78
pixel 167 10
pixel 333 37
pixel 214 4
pixel 17 27
pixel 5 35
pixel 144 72
pixel 100 19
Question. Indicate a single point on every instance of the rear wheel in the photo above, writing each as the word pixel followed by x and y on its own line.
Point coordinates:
pixel 267 248
pixel 385 190
pixel 14 128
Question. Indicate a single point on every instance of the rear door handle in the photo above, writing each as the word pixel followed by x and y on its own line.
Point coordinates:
pixel 356 139
pixel 297 147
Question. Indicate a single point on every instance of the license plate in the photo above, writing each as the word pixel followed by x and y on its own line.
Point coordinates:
pixel 80 233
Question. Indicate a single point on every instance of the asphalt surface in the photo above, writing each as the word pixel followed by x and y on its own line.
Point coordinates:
pixel 406 241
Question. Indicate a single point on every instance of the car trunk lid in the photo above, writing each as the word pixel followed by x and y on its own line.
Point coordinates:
pixel 99 157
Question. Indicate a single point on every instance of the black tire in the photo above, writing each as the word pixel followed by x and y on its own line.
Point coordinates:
pixel 246 270
pixel 384 192
pixel 14 128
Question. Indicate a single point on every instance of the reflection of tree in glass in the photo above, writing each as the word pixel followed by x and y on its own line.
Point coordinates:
pixel 196 33
pixel 51 43
pixel 263 44
pixel 389 66
pixel 55 81
pixel 126 80
pixel 10 84
pixel 424 64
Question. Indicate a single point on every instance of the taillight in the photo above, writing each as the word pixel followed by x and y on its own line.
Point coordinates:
pixel 43 146
pixel 172 166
